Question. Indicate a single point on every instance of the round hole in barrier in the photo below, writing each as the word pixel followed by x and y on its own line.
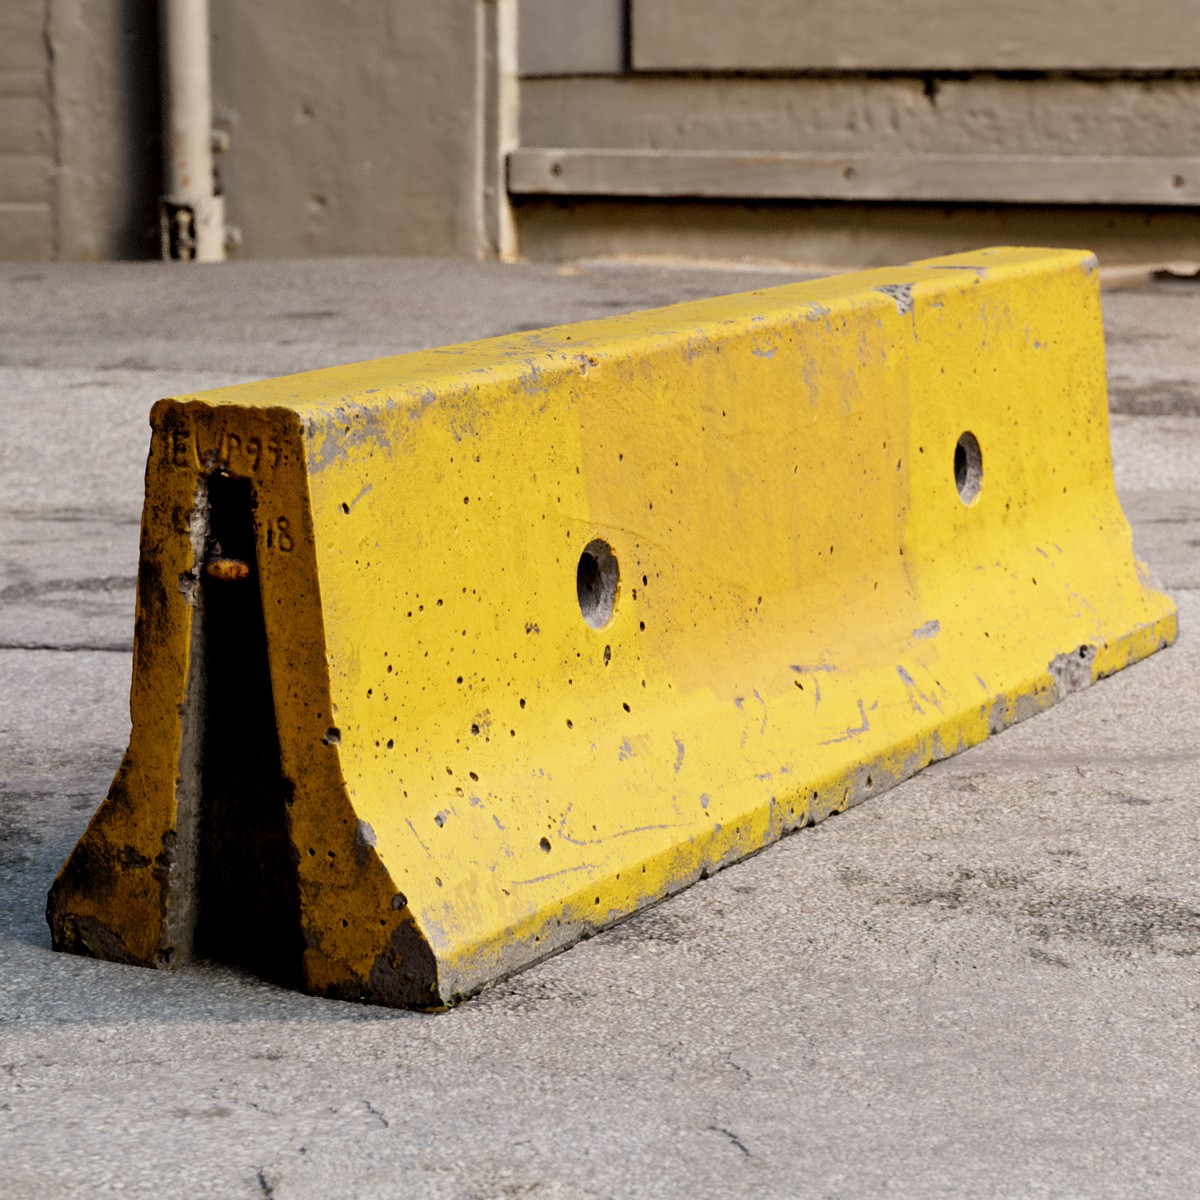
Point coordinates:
pixel 968 468
pixel 596 580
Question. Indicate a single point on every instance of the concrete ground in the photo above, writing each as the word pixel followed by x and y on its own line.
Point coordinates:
pixel 985 983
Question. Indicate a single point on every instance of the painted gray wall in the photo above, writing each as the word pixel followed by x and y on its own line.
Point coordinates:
pixel 370 127
pixel 79 122
pixel 355 126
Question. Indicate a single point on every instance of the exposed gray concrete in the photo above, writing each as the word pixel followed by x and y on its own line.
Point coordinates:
pixel 982 984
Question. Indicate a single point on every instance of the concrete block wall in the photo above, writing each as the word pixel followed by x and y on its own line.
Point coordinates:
pixel 79 129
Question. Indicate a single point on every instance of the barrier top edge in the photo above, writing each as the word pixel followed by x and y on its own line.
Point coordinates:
pixel 417 373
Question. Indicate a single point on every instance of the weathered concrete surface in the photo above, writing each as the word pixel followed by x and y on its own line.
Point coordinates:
pixel 998 999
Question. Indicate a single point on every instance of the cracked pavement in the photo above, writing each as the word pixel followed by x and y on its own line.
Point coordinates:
pixel 985 982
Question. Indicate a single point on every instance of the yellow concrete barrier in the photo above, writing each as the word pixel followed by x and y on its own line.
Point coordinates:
pixel 446 660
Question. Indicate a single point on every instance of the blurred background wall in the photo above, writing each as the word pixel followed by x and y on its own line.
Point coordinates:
pixel 821 131
pixel 79 129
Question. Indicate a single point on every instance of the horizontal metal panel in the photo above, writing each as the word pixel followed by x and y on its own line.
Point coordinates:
pixel 26 232
pixel 571 37
pixel 25 125
pixel 799 236
pixel 24 179
pixel 24 83
pixel 851 114
pixel 965 178
pixel 785 35
pixel 23 36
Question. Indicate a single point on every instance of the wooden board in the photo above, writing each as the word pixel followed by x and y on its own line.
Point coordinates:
pixel 962 178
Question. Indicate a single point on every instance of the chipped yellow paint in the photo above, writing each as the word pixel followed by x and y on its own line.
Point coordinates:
pixel 809 608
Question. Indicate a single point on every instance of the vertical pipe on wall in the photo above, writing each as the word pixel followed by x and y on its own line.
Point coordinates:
pixel 498 125
pixel 192 215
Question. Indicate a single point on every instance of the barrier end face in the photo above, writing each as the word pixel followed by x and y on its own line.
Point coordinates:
pixel 112 897
pixel 552 626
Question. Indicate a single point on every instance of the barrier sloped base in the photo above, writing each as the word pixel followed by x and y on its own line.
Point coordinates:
pixel 443 661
